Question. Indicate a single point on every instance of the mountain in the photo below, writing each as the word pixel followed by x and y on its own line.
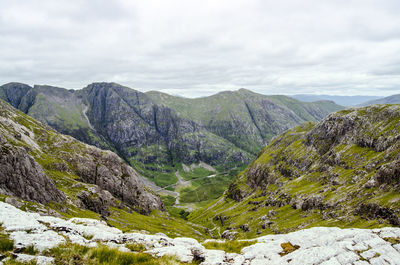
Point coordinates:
pixel 150 137
pixel 145 131
pixel 40 165
pixel 341 100
pixel 343 171
pixel 393 99
pixel 247 119
pixel 174 142
pixel 44 171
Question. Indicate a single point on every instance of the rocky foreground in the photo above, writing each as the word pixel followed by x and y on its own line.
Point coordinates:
pixel 319 245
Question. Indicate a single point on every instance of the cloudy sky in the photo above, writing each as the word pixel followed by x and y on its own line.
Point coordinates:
pixel 197 48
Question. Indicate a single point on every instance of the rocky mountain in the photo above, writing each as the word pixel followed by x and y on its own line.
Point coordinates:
pixel 393 99
pixel 44 171
pixel 158 139
pixel 41 165
pixel 343 171
pixel 247 119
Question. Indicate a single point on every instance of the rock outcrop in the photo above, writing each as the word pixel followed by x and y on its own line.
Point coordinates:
pixel 226 130
pixel 23 177
pixel 344 170
pixel 36 163
pixel 319 245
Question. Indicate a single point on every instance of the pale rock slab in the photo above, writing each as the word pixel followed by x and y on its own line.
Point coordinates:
pixel 319 245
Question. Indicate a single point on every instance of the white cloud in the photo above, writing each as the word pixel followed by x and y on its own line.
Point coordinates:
pixel 196 48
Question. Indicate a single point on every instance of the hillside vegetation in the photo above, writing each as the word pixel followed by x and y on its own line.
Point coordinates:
pixel 159 138
pixel 44 171
pixel 343 171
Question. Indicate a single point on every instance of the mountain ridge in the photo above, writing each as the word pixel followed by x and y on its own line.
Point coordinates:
pixel 83 114
pixel 393 99
pixel 342 172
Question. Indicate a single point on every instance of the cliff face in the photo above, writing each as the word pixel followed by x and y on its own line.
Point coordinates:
pixel 23 177
pixel 246 119
pixel 342 171
pixel 137 127
pixel 365 139
pixel 41 165
pixel 151 137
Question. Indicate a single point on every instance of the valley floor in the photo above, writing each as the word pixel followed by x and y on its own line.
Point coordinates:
pixel 26 237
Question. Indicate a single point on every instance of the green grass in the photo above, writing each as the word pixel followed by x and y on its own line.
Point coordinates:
pixel 156 222
pixel 168 200
pixel 233 246
pixel 6 244
pixel 30 250
pixel 77 254
pixel 197 172
pixel 12 261
pixel 205 189
pixel 136 247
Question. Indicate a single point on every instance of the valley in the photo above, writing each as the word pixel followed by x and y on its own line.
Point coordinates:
pixel 338 177
pixel 160 135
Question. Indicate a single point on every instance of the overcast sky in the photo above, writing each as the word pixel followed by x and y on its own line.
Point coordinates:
pixel 197 48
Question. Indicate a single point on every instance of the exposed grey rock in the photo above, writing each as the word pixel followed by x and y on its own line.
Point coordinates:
pixel 318 245
pixel 63 157
pixel 245 227
pixel 374 211
pixel 106 170
pixel 22 176
pixel 134 124
pixel 98 202
pixel 229 235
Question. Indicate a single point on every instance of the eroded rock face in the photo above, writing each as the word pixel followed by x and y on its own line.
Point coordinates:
pixel 29 150
pixel 132 122
pixel 348 165
pixel 98 202
pixel 22 176
pixel 356 128
pixel 106 170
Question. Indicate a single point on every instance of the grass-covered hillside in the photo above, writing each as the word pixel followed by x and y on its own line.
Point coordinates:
pixel 247 119
pixel 217 135
pixel 343 171
pixel 44 171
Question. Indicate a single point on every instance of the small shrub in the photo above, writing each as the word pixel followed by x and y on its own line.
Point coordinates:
pixel 30 250
pixel 6 245
pixel 88 237
pixel 184 214
pixel 104 254
pixel 136 247
pixel 233 246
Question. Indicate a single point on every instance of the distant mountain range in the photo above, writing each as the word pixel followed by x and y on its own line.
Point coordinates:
pixel 156 133
pixel 393 99
pixel 341 100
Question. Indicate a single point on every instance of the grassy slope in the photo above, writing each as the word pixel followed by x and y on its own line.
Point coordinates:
pixel 342 185
pixel 230 107
pixel 53 146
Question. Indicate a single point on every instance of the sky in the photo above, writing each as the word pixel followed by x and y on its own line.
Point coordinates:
pixel 197 48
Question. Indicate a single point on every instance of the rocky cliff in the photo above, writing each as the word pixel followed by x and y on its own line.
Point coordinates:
pixel 249 120
pixel 41 165
pixel 342 171
pixel 156 137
